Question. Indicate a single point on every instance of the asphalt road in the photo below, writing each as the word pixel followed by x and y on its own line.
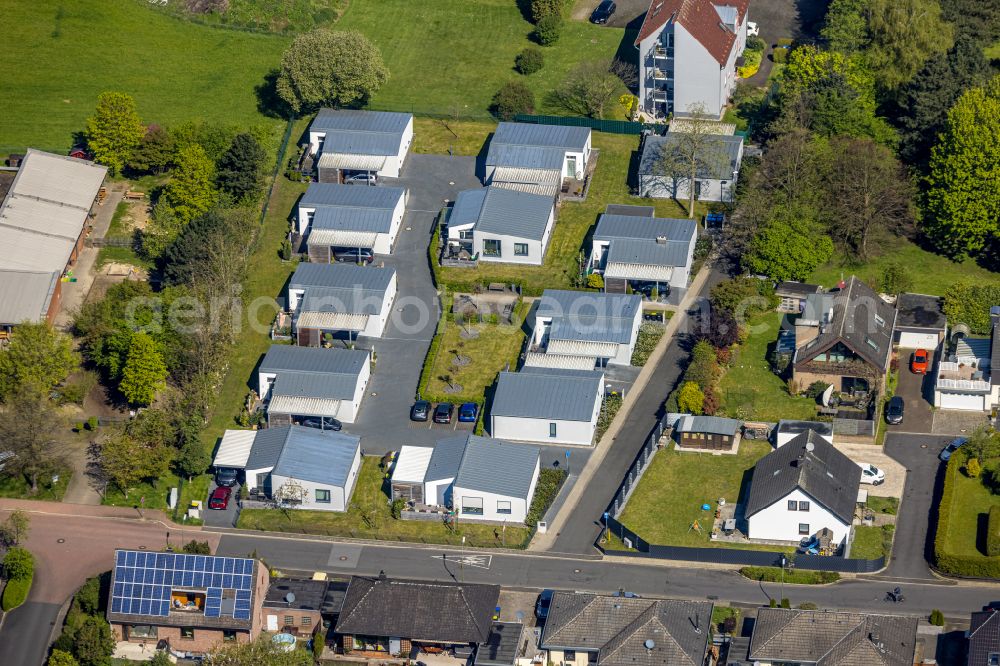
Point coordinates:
pixel 581 530
pixel 25 633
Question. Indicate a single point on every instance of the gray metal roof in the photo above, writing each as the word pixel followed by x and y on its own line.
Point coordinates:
pixel 512 213
pixel 378 220
pixel 351 196
pixel 798 289
pixel 548 393
pixel 267 445
pixel 530 134
pixel 313 359
pixel 648 252
pixel 715 425
pixel 995 356
pixel 722 160
pixel 921 312
pixel 319 456
pixel 361 132
pixel 25 295
pixel 498 467
pixel 611 227
pixel 333 386
pixel 345 288
pixel 446 458
pixel 589 316
pixel 823 473
pixel 526 157
pixel 468 205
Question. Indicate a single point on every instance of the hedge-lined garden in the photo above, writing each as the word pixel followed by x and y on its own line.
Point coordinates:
pixel 968 507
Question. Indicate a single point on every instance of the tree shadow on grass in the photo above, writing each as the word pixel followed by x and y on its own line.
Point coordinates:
pixel 269 103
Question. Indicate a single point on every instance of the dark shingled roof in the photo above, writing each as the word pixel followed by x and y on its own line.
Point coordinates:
pixel 501 646
pixel 833 639
pixel 617 628
pixel 984 637
pixel 418 610
pixel 920 311
pixel 824 473
pixel 309 594
pixel 796 289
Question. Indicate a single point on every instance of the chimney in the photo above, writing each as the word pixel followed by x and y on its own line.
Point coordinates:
pixel 661 240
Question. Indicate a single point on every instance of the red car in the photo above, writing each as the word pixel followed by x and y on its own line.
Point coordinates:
pixel 918 364
pixel 220 498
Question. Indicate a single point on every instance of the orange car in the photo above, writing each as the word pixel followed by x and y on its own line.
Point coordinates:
pixel 918 364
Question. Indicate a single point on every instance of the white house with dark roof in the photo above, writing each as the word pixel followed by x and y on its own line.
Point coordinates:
pixel 715 177
pixel 339 299
pixel 478 477
pixel 537 158
pixel 502 225
pixel 332 216
pixel 633 250
pixel 801 488
pixel 346 141
pixel 581 330
pixel 547 405
pixel 310 384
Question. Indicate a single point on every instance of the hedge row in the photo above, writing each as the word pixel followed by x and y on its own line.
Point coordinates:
pixel 974 566
pixel 993 532
pixel 796 576
pixel 15 593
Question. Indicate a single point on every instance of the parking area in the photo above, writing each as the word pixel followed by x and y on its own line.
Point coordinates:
pixel 895 471
pixel 917 392
pixel 221 517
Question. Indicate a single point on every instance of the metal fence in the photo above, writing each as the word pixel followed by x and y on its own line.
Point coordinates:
pixel 636 470
pixel 611 126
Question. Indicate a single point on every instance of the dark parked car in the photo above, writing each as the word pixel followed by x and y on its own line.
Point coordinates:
pixel 220 498
pixel 327 423
pixel 355 255
pixel 603 12
pixel 894 411
pixel 542 605
pixel 442 413
pixel 467 412
pixel 420 411
pixel 226 476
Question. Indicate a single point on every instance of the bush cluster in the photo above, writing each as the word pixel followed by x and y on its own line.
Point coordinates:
pixel 549 482
pixel 972 566
pixel 530 60
pixel 547 30
pixel 512 99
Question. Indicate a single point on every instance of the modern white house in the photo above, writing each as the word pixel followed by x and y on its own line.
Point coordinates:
pixel 294 466
pixel 340 301
pixel 581 330
pixel 309 384
pixel 503 225
pixel 537 158
pixel 547 405
pixel 663 177
pixel 801 488
pixel 477 477
pixel 969 378
pixel 920 321
pixel 346 142
pixel 687 53
pixel 348 216
pixel 788 429
pixel 648 255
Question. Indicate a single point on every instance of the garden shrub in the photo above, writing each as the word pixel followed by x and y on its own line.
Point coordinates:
pixel 512 99
pixel 595 281
pixel 755 43
pixel 780 56
pixel 785 41
pixel 937 618
pixel 993 531
pixel 547 30
pixel 530 60
pixel 973 469
pixel 541 9
pixel 549 482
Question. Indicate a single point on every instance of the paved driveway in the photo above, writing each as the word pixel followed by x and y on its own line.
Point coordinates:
pixel 917 392
pixel 895 471
pixel 226 517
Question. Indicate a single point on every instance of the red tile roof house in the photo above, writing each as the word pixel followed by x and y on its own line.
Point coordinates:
pixel 687 55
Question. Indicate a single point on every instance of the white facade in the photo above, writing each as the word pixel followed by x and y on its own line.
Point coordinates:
pixel 622 352
pixel 384 242
pixel 970 402
pixel 340 496
pixel 779 523
pixel 514 250
pixel 393 163
pixel 493 507
pixel 374 323
pixel 349 409
pixel 540 430
pixel 707 189
pixel 782 438
pixel 918 340
pixel 575 164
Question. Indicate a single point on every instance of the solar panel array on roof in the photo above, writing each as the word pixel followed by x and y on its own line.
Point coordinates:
pixel 143 583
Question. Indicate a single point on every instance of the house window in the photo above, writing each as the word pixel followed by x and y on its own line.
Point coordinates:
pixel 472 506
pixel 804 529
pixel 228 635
pixel 803 506
pixel 503 507
pixel 520 249
pixel 187 632
pixel 322 496
pixel 289 620
pixel 793 505
pixel 465 235
pixel 569 655
pixel 552 430
pixel 141 631
pixel 306 621
pixel 491 247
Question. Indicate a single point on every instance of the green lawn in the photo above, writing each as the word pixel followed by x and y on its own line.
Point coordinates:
pixel 970 506
pixel 15 485
pixel 369 517
pixel 69 52
pixel 496 346
pixel 931 273
pixel 573 222
pixel 462 137
pixel 792 576
pixel 750 389
pixel 871 543
pixel 668 499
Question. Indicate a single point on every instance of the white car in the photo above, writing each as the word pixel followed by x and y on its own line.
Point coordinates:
pixel 753 30
pixel 871 474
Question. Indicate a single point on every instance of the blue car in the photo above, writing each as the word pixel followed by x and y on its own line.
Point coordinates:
pixel 467 412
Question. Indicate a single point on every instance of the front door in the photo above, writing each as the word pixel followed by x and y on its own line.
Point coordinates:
pixel 571 166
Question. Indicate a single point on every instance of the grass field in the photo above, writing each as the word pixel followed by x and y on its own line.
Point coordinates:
pixel 15 485
pixel 69 52
pixel 964 528
pixel 668 499
pixel 931 273
pixel 750 388
pixel 461 137
pixel 369 516
pixel 871 543
pixel 495 346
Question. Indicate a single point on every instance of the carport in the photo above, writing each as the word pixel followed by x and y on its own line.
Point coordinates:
pixel 322 242
pixel 234 449
pixel 289 409
pixel 311 327
pixel 332 166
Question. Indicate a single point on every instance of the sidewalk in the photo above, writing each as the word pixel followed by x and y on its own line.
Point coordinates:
pixel 541 542
pixel 90 511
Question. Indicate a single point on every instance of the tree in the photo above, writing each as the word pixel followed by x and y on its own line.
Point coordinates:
pixel 963 196
pixel 30 428
pixel 973 468
pixel 126 461
pixel 691 398
pixel 145 373
pixel 548 29
pixel 154 153
pixel 190 191
pixel 976 18
pixel 192 459
pixel 591 87
pixel 530 60
pixel 512 99
pixel 723 330
pixel 542 8
pixel 60 658
pixel 894 278
pixel 161 658
pixel 330 68
pixel 869 194
pixel 94 643
pixel 38 358
pixel 982 445
pixel 239 171
pixel 904 34
pixel 115 130
pixel 788 249
pixel 15 529
pixel 845 28
pixel 703 368
pixel 18 564
pixel 693 150
pixel 262 652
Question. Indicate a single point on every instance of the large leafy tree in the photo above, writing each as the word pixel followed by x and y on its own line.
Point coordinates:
pixel 127 460
pixel 693 150
pixel 591 87
pixel 239 170
pixel 963 194
pixel 845 28
pixel 145 372
pixel 30 426
pixel 979 19
pixel 904 34
pixel 154 152
pixel 788 248
pixel 330 68
pixel 37 359
pixel 94 642
pixel 190 191
pixel 115 130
